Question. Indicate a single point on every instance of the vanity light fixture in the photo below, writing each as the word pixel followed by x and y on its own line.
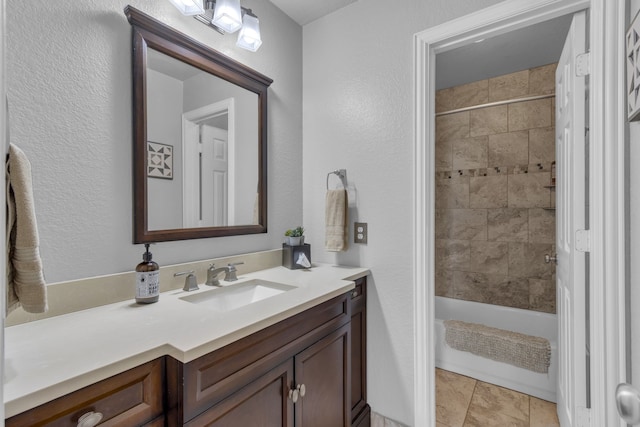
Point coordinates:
pixel 249 37
pixel 218 13
pixel 188 7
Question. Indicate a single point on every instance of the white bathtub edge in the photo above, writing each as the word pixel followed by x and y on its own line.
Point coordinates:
pixel 542 386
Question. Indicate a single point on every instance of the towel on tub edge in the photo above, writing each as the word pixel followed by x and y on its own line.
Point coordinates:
pixel 521 350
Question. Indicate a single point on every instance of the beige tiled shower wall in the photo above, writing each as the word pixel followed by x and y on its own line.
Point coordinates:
pixel 494 202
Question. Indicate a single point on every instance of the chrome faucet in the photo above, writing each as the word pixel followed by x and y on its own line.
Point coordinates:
pixel 190 282
pixel 231 272
pixel 212 275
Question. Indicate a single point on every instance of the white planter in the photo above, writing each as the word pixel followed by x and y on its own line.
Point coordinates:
pixel 295 241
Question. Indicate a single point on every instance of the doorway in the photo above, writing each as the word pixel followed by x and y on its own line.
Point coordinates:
pixel 606 367
pixel 495 219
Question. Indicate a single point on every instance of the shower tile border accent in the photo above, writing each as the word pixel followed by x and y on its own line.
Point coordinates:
pixel 497 170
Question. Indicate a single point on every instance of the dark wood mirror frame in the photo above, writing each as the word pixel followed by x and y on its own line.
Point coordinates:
pixel 149 32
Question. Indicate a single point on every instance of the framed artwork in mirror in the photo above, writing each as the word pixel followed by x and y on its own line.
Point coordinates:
pixel 159 160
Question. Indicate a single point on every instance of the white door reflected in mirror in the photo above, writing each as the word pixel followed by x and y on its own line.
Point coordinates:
pixel 208 151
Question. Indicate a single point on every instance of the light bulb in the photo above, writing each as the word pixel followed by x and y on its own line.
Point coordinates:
pixel 249 37
pixel 227 15
pixel 188 7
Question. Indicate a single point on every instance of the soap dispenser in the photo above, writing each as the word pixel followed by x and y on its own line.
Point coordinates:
pixel 147 279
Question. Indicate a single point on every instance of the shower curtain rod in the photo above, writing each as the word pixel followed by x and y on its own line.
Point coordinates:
pixel 495 104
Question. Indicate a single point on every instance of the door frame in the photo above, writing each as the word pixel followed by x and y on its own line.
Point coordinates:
pixel 607 175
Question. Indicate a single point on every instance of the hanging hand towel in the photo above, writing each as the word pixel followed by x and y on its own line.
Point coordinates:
pixel 336 222
pixel 25 280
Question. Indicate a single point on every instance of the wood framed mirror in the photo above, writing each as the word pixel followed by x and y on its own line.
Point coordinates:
pixel 200 138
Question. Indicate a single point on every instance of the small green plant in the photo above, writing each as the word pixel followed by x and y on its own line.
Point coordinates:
pixel 295 232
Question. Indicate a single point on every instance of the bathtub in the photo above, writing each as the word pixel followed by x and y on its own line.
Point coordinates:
pixel 528 322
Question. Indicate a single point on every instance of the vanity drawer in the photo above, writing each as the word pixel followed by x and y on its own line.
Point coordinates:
pixel 358 293
pixel 132 398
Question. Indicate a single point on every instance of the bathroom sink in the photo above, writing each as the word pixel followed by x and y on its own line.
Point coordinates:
pixel 238 295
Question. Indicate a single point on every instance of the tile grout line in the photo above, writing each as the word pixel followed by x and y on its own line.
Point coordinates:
pixel 466 415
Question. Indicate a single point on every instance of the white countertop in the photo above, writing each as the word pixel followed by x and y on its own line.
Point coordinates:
pixel 49 358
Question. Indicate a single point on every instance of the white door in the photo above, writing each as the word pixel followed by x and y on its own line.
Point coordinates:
pixel 215 176
pixel 570 219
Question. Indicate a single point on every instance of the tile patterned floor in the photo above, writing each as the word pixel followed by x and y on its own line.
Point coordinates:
pixel 465 402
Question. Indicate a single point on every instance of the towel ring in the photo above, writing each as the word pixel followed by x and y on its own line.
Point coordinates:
pixel 342 174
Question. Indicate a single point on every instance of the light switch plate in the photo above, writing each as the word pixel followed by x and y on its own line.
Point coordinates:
pixel 360 232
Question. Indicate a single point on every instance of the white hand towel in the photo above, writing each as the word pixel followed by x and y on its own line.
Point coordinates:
pixel 25 280
pixel 336 221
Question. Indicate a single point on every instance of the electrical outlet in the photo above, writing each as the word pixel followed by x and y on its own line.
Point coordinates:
pixel 360 232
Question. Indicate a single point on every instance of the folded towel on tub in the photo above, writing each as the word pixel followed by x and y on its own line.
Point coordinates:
pixel 521 350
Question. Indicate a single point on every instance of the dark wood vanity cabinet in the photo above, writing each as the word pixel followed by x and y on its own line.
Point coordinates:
pixel 316 358
pixel 308 370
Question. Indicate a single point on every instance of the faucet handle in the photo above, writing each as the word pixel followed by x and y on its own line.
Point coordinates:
pixel 231 273
pixel 182 273
pixel 232 265
pixel 190 282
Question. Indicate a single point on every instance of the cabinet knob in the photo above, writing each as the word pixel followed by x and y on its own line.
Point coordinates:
pixel 297 393
pixel 90 419
pixel 354 293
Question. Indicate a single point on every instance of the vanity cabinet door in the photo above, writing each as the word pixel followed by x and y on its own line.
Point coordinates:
pixel 359 409
pixel 132 398
pixel 322 374
pixel 262 403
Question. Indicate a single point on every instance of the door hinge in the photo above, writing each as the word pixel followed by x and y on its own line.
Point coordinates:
pixel 583 241
pixel 583 64
pixel 583 417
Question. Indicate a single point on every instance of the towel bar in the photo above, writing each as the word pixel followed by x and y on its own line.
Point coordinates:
pixel 342 174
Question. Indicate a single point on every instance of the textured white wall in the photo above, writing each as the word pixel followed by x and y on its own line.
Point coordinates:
pixel 69 84
pixel 358 106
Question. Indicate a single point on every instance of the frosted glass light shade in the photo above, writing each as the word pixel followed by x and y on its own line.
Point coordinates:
pixel 188 7
pixel 227 15
pixel 249 37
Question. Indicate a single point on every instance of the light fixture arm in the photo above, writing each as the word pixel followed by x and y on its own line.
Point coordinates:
pixel 207 16
pixel 250 40
pixel 248 12
pixel 209 7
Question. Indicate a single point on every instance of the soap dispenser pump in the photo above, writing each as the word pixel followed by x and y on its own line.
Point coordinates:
pixel 147 279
